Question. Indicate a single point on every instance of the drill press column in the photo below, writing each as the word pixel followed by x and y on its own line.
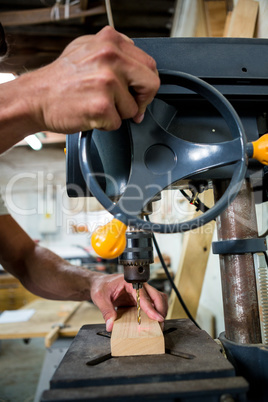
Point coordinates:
pixel 241 315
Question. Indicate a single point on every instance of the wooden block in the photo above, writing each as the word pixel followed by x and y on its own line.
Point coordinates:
pixel 131 339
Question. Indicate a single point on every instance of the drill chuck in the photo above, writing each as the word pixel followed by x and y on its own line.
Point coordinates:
pixel 137 256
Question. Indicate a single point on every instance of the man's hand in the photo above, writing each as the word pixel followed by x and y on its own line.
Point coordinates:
pixel 110 291
pixel 96 82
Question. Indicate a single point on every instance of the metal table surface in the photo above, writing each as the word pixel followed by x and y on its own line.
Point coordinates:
pixel 193 367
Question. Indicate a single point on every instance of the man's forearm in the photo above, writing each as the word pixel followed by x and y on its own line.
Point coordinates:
pixel 39 269
pixel 16 115
pixel 49 276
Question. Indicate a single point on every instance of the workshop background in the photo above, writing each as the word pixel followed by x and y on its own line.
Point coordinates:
pixel 33 175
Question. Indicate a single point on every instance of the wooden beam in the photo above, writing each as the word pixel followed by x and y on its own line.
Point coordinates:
pixel 227 23
pixel 192 267
pixel 131 339
pixel 216 15
pixel 43 15
pixel 201 25
pixel 243 20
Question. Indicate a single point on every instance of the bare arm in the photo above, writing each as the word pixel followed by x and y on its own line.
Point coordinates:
pixel 40 270
pixel 47 275
pixel 86 87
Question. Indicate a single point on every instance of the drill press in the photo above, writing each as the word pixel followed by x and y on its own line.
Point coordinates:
pixel 191 136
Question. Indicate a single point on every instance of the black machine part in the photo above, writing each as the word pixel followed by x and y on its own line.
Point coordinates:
pixel 160 159
pixel 229 64
pixel 137 256
pixel 192 369
pixel 251 362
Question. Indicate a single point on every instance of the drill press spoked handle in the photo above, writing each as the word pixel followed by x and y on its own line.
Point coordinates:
pixel 159 159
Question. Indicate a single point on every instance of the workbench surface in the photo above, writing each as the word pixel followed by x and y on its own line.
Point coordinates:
pixel 48 313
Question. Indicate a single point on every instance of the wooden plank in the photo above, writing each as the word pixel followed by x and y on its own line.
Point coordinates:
pixel 131 339
pixel 243 20
pixel 53 334
pixel 42 15
pixel 201 25
pixel 87 313
pixel 47 312
pixel 13 294
pixel 216 15
pixel 192 267
pixel 227 23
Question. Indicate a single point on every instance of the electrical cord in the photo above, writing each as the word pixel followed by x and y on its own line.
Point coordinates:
pixel 170 278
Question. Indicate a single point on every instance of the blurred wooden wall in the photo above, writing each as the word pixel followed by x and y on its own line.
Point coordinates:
pixel 221 18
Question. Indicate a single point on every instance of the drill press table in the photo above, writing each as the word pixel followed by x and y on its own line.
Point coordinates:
pixel 192 369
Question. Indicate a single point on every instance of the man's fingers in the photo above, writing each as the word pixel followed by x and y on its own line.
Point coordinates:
pixel 159 299
pixel 126 104
pixel 110 33
pixel 148 308
pixel 107 309
pixel 153 302
pixel 144 91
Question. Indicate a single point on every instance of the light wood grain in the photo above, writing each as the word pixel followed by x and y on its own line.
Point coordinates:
pixel 243 20
pixel 49 312
pixel 193 263
pixel 12 294
pixel 87 313
pixel 227 23
pixel 131 339
pixel 215 15
pixel 201 24
pixel 53 334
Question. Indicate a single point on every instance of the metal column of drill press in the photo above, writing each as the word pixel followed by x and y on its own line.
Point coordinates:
pixel 136 258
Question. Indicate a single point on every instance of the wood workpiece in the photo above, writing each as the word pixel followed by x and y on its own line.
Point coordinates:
pixel 131 339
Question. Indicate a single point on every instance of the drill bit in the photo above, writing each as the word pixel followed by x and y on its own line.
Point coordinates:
pixel 138 306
